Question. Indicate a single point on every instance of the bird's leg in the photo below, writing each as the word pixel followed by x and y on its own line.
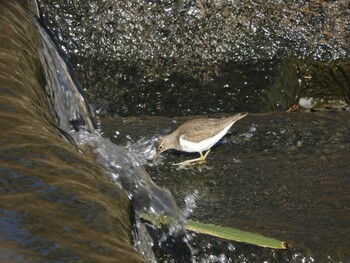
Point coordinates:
pixel 200 159
pixel 206 154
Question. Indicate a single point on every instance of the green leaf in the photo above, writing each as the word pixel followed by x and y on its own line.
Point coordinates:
pixel 234 235
pixel 218 231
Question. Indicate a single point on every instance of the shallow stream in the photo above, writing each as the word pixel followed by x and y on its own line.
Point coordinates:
pixel 284 175
pixel 68 194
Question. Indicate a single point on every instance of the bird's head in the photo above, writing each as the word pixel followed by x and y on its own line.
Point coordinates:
pixel 162 144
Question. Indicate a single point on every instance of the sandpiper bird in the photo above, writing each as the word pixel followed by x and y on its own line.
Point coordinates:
pixel 196 135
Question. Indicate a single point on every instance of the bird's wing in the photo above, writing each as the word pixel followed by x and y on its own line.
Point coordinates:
pixel 200 130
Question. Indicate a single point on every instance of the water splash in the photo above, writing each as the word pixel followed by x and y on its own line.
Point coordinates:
pixel 222 258
pixel 143 150
pixel 151 202
pixel 143 242
pixel 123 168
pixel 122 165
pixel 190 203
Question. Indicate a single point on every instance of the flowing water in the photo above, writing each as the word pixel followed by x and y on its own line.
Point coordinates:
pixel 284 175
pixel 57 204
pixel 62 88
pixel 72 193
pixel 60 177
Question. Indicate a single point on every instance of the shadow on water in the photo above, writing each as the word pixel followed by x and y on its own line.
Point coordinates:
pixel 284 175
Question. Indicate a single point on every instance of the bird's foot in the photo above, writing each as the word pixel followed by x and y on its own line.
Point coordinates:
pixel 199 160
pixel 190 162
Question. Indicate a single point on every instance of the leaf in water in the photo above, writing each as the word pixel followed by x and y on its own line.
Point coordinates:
pixel 234 235
pixel 221 232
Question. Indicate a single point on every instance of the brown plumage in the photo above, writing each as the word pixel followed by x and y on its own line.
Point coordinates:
pixel 197 135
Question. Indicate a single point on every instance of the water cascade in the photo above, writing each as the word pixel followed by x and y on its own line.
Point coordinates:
pixel 54 197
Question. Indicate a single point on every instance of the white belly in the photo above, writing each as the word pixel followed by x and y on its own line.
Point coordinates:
pixel 204 145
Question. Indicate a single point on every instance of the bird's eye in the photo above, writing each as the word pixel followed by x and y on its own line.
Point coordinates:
pixel 160 147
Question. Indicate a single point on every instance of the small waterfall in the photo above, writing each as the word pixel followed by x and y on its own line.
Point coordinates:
pixel 64 92
pixel 56 204
pixel 74 118
pixel 67 100
pixel 124 169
